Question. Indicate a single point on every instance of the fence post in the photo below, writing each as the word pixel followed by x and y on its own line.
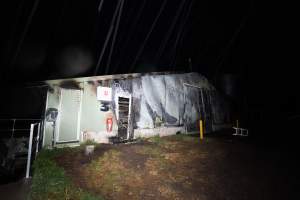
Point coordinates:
pixel 37 140
pixel 13 128
pixel 29 150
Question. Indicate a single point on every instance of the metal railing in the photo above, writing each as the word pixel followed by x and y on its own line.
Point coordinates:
pixel 30 146
pixel 13 130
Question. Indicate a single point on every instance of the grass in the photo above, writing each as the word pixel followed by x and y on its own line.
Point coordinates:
pixel 108 174
pixel 185 137
pixel 156 139
pixel 50 181
pixel 89 142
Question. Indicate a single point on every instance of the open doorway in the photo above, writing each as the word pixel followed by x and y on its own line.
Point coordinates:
pixel 123 116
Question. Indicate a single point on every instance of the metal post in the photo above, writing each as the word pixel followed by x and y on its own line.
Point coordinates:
pixel 29 150
pixel 37 140
pixel 203 104
pixel 13 128
pixel 185 126
pixel 201 129
pixel 53 134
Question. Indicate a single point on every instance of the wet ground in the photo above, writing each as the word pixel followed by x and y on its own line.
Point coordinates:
pixel 184 168
pixel 18 190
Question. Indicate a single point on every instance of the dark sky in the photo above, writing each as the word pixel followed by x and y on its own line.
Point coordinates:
pixel 52 39
pixel 40 37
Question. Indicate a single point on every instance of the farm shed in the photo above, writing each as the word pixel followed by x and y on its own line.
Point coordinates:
pixel 123 107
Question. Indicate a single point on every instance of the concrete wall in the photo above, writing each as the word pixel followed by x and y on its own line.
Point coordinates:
pixel 93 121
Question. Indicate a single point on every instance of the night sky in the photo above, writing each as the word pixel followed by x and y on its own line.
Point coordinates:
pixel 62 38
pixel 38 35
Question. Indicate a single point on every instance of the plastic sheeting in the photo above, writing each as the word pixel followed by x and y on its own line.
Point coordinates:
pixel 170 100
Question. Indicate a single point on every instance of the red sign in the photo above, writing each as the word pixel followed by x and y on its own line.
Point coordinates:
pixel 109 124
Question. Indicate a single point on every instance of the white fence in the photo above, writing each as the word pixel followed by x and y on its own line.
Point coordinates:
pixel 34 135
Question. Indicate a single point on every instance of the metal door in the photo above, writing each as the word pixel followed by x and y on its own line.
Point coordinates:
pixel 69 115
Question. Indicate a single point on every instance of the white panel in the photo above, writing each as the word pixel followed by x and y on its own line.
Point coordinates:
pixel 69 115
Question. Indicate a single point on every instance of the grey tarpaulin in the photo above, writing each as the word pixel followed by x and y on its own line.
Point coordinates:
pixel 166 100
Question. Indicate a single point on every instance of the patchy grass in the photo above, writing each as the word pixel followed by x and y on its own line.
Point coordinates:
pixel 156 139
pixel 104 172
pixel 108 175
pixel 50 181
pixel 185 137
pixel 156 161
pixel 175 167
pixel 89 142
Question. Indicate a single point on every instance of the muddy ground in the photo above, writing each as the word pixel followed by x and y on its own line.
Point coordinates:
pixel 181 167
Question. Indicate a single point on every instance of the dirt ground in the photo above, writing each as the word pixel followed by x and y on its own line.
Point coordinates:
pixel 15 191
pixel 181 167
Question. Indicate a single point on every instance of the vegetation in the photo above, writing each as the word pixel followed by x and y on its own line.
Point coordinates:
pixel 156 139
pixel 185 137
pixel 110 171
pixel 89 142
pixel 50 181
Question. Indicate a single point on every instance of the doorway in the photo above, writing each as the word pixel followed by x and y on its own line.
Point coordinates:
pixel 197 106
pixel 123 116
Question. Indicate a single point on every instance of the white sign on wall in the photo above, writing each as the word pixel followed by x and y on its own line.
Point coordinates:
pixel 104 93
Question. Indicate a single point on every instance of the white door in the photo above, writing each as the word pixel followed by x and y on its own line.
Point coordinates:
pixel 69 115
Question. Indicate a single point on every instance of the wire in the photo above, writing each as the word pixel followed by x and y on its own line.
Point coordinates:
pixel 163 45
pixel 29 20
pixel 114 37
pixel 131 30
pixel 148 35
pixel 100 6
pixel 222 57
pixel 107 37
pixel 181 29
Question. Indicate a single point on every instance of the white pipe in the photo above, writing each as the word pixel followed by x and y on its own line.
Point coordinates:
pixel 29 150
pixel 79 115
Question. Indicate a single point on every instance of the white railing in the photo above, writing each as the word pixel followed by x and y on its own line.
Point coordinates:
pixel 12 128
pixel 30 146
pixel 240 131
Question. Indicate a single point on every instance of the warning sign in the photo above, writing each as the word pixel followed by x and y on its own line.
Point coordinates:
pixel 104 93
